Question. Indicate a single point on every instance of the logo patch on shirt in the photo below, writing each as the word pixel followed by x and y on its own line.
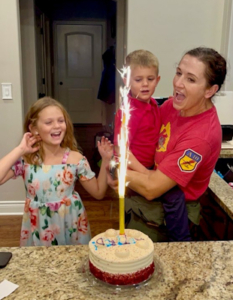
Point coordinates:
pixel 189 161
pixel 164 137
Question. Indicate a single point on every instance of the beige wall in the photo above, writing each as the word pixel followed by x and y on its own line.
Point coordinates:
pixel 229 79
pixel 169 28
pixel 28 45
pixel 10 72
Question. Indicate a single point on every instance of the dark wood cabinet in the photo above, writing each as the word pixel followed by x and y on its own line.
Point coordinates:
pixel 215 223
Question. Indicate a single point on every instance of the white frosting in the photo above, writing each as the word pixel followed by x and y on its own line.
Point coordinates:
pixel 121 254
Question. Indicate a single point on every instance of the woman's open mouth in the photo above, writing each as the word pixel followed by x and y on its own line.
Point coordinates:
pixel 179 97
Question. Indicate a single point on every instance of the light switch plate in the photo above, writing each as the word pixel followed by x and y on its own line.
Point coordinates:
pixel 6 91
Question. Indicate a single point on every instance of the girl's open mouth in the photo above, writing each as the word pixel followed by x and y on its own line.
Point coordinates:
pixel 56 134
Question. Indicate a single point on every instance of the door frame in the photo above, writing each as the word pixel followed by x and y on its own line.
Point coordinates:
pixel 104 39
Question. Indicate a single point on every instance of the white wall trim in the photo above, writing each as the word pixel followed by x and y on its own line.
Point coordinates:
pixel 15 207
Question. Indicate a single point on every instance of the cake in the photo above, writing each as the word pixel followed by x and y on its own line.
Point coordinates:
pixel 121 259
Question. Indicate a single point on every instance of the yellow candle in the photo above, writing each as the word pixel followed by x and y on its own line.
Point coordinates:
pixel 122 214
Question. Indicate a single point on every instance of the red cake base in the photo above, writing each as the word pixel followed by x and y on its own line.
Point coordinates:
pixel 123 279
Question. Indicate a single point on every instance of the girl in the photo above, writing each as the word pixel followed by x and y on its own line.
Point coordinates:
pixel 50 163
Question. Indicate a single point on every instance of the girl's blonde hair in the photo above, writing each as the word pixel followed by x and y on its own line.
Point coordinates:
pixel 31 120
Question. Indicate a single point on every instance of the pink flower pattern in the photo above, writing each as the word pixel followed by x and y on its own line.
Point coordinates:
pixel 54 206
pixel 47 236
pixel 83 223
pixel 67 176
pixel 24 237
pixel 18 168
pixel 33 187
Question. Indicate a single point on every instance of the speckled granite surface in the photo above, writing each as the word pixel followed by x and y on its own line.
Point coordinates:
pixel 197 271
pixel 226 153
pixel 223 194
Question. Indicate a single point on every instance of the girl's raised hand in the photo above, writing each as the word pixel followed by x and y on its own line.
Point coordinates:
pixel 105 148
pixel 27 143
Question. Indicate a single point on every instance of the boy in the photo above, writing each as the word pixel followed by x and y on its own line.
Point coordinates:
pixel 144 122
pixel 143 133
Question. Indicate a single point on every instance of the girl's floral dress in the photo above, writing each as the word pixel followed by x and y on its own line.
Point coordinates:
pixel 53 213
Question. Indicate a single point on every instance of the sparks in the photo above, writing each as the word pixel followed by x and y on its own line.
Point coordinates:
pixel 123 146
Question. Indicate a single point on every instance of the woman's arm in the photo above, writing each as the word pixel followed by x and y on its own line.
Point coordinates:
pixel 151 184
pixel 135 165
pixel 97 187
pixel 8 161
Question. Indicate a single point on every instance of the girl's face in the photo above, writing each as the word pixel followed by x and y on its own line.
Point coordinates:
pixel 51 125
pixel 190 93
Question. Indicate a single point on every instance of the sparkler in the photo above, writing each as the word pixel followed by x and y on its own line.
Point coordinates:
pixel 123 145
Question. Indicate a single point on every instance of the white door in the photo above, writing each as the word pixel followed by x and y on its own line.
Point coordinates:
pixel 79 51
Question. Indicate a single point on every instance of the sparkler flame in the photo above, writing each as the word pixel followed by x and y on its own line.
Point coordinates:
pixel 123 145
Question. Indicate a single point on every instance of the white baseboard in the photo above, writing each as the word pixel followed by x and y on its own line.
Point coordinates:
pixel 11 207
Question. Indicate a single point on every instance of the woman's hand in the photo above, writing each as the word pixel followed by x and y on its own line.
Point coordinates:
pixel 111 182
pixel 27 143
pixel 105 148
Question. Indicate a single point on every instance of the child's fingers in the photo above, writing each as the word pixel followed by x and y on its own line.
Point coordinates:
pixel 34 139
pixel 35 149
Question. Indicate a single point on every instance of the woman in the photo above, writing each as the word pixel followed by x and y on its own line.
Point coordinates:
pixel 189 144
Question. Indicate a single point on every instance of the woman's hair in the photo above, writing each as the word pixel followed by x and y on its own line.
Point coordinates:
pixel 31 121
pixel 142 58
pixel 216 67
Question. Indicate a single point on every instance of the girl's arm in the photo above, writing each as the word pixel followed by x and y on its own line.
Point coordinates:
pixel 97 187
pixel 8 161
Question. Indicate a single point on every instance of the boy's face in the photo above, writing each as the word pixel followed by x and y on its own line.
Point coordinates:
pixel 143 81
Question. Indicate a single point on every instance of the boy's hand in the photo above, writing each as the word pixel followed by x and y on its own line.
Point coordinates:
pixel 27 142
pixel 105 148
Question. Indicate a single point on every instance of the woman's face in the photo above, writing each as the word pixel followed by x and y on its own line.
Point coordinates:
pixel 191 95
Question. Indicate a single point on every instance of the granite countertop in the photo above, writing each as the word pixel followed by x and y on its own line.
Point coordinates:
pixel 221 191
pixel 226 153
pixel 189 270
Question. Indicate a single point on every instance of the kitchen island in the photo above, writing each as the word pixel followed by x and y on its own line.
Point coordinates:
pixel 220 190
pixel 217 206
pixel 190 270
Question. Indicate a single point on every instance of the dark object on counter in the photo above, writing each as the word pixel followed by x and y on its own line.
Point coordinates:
pixel 227 132
pixel 228 177
pixel 222 165
pixel 4 258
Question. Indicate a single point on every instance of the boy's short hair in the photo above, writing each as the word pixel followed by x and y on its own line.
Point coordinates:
pixel 142 58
